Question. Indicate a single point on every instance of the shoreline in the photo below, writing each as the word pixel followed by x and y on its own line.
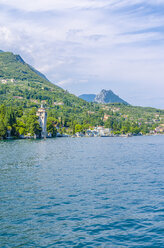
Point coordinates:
pixel 74 136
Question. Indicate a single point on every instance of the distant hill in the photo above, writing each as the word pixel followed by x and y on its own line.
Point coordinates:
pixel 105 96
pixel 88 97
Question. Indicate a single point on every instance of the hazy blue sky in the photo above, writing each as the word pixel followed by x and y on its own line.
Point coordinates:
pixel 87 45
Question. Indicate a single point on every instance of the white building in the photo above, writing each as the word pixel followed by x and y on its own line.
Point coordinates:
pixel 98 131
pixel 103 131
pixel 42 120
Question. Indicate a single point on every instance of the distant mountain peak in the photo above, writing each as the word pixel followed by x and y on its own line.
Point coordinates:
pixel 105 96
pixel 108 96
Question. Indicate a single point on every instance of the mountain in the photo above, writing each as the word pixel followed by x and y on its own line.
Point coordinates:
pixel 38 72
pixel 21 84
pixel 88 97
pixel 23 89
pixel 13 66
pixel 107 96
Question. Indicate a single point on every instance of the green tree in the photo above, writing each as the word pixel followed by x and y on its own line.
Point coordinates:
pixel 20 127
pixel 51 126
pixel 3 130
pixel 78 128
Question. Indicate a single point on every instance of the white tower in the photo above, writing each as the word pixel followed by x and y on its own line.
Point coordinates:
pixel 42 120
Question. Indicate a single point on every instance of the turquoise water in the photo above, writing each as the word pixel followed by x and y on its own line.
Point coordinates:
pixel 82 192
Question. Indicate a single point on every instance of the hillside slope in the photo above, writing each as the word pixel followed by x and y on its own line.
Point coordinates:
pixel 24 87
pixel 13 66
pixel 20 81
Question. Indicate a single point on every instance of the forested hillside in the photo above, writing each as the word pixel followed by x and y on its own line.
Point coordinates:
pixel 23 90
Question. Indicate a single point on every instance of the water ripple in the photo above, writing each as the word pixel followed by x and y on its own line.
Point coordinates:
pixel 96 192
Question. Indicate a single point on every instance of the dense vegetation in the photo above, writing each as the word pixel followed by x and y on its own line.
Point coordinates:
pixel 22 90
pixel 16 122
pixel 129 119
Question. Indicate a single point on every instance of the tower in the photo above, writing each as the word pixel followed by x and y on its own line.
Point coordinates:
pixel 42 120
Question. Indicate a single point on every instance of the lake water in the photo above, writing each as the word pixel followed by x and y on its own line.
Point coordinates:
pixel 82 192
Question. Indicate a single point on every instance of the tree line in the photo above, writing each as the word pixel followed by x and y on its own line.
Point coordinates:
pixel 19 121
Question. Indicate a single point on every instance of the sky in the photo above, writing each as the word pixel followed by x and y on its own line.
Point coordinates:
pixel 90 45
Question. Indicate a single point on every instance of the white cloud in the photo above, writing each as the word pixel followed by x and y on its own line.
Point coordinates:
pixel 39 5
pixel 65 82
pixel 42 5
pixel 6 35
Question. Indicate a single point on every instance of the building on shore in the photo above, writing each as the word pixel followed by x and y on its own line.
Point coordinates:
pixel 42 114
pixel 102 131
pixel 98 132
pixel 159 129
